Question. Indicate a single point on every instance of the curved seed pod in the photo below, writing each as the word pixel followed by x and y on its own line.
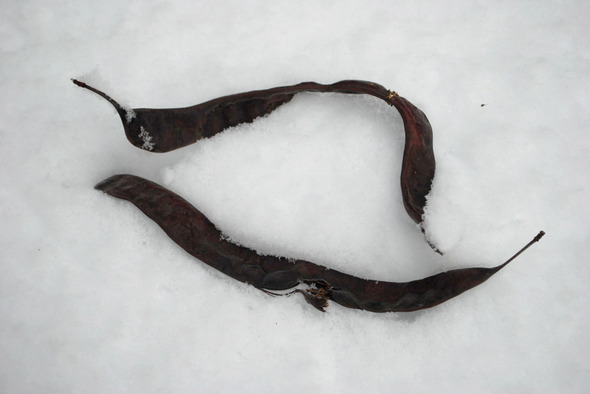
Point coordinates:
pixel 190 229
pixel 418 164
pixel 163 130
pixel 166 129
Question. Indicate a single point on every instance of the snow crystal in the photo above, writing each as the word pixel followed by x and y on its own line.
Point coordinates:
pixel 129 114
pixel 146 138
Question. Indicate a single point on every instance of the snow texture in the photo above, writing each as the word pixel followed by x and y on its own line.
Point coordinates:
pixel 95 298
pixel 146 138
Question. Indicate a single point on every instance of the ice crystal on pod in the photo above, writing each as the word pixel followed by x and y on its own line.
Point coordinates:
pixel 147 139
pixel 129 115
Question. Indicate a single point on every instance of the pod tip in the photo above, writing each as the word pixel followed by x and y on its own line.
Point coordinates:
pixel 539 236
pixel 109 182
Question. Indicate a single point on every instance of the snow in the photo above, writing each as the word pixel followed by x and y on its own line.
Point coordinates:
pixel 146 138
pixel 95 298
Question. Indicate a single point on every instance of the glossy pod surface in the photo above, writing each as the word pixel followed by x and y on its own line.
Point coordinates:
pixel 192 231
pixel 163 130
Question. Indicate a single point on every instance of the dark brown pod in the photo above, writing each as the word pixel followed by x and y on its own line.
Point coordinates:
pixel 190 229
pixel 163 130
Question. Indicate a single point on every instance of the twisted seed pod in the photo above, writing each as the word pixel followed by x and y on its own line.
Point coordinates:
pixel 192 231
pixel 163 130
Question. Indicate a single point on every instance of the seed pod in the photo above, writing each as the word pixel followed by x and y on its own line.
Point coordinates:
pixel 192 231
pixel 163 130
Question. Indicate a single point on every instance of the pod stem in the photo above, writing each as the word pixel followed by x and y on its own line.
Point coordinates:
pixel 536 239
pixel 115 104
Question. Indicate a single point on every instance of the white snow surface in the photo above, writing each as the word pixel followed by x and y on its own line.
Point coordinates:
pixel 95 298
